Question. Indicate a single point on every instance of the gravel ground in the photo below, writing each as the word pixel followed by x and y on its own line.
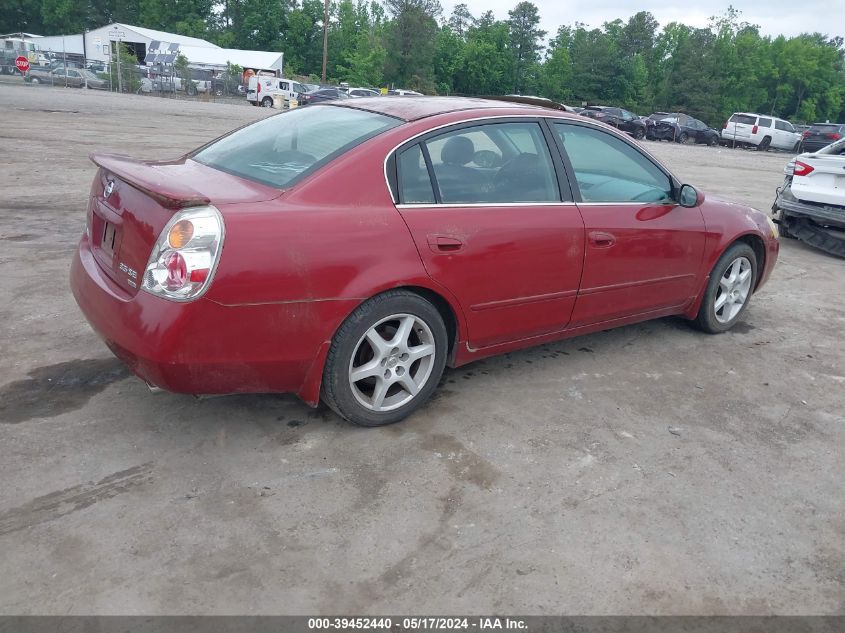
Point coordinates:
pixel 541 482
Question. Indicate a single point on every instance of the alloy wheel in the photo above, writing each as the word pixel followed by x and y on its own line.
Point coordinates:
pixel 734 288
pixel 392 362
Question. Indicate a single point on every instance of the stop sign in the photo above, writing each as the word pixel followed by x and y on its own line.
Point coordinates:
pixel 22 63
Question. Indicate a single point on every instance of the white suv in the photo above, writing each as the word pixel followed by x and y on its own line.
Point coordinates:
pixel 760 131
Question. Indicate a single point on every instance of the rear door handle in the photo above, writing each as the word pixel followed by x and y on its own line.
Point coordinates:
pixel 600 239
pixel 444 243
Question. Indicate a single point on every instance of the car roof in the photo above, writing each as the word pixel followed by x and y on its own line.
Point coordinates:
pixel 422 107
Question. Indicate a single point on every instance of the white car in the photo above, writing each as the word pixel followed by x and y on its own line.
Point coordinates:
pixel 403 93
pixel 811 203
pixel 760 131
pixel 261 89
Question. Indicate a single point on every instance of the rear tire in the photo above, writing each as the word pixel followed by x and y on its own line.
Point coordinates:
pixel 266 102
pixel 386 359
pixel 764 144
pixel 797 148
pixel 729 289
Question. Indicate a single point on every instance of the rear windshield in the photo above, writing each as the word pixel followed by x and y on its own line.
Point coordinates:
pixel 743 118
pixel 825 127
pixel 281 149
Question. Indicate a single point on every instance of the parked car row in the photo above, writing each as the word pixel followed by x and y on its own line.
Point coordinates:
pixel 669 126
pixel 742 129
pixel 262 89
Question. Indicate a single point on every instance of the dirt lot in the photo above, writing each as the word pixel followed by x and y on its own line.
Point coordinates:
pixel 545 481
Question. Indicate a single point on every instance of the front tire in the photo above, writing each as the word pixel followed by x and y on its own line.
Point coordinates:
pixel 639 134
pixel 682 138
pixel 729 289
pixel 386 359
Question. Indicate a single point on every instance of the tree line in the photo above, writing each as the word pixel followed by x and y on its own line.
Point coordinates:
pixel 707 72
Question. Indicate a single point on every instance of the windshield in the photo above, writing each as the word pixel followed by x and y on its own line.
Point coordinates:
pixel 286 147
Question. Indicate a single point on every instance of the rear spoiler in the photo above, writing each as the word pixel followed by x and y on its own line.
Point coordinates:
pixel 153 178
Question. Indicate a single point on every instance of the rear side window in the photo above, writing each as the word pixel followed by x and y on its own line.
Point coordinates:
pixel 764 122
pixel 743 118
pixel 495 162
pixel 414 183
pixel 282 149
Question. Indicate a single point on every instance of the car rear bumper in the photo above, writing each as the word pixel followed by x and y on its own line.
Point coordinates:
pixel 203 347
pixel 814 146
pixel 820 213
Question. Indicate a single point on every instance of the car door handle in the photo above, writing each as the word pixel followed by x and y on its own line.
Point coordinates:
pixel 444 243
pixel 600 239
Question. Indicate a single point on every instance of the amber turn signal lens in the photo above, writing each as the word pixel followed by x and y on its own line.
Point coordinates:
pixel 180 234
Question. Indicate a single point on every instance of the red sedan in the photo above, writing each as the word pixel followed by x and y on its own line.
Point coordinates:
pixel 350 250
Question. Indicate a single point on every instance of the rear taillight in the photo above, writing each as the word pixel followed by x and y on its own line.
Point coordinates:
pixel 725 126
pixel 801 169
pixel 258 87
pixel 806 134
pixel 833 136
pixel 185 256
pixel 754 130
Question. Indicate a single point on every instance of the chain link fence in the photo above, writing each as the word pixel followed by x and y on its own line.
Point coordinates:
pixel 153 81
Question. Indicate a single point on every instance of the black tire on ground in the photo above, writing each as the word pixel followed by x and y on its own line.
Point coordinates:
pixel 797 148
pixel 706 318
pixel 218 92
pixel 35 80
pixel 713 141
pixel 266 102
pixel 337 391
pixel 682 138
pixel 764 144
pixel 639 133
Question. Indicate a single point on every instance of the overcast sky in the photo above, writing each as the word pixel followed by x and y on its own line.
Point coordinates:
pixel 775 17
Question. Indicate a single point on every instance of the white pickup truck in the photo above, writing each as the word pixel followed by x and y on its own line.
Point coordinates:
pixel 261 89
pixel 810 204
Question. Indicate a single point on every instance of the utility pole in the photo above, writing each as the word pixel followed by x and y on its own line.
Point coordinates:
pixel 325 38
pixel 119 35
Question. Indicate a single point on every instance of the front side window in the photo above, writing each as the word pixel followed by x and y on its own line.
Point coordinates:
pixel 494 163
pixel 608 169
pixel 281 149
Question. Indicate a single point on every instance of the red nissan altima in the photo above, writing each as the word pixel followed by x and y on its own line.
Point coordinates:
pixel 348 251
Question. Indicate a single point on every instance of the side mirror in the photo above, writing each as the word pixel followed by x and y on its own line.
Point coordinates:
pixel 690 197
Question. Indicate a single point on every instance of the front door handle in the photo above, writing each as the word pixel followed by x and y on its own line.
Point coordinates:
pixel 600 239
pixel 444 243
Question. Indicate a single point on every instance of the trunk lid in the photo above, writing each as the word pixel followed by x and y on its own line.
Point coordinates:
pixel 132 201
pixel 825 184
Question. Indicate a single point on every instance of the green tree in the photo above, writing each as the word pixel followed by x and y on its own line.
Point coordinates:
pixel 410 41
pixel 525 44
